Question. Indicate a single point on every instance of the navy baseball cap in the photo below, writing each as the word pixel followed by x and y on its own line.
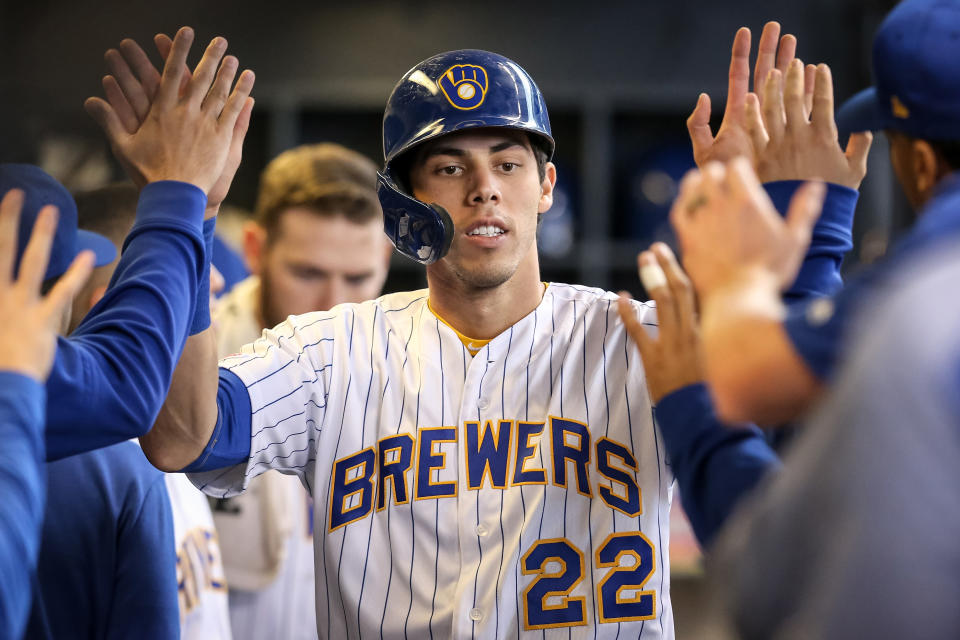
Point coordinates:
pixel 40 189
pixel 916 71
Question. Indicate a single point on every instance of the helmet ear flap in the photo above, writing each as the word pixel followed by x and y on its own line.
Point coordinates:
pixel 419 231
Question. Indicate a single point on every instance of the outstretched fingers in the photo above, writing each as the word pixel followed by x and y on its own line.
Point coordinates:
pixel 107 118
pixel 131 88
pixel 238 99
pixel 205 72
pixel 739 75
pixel 698 125
pixel 33 264
pixel 164 45
pixel 9 217
pixel 220 91
pixel 793 95
pixel 680 289
pixel 121 106
pixel 772 105
pixel 822 115
pixel 766 54
pixel 755 125
pixel 173 70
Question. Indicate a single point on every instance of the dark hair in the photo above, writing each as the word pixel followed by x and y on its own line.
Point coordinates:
pixel 109 210
pixel 948 151
pixel 327 178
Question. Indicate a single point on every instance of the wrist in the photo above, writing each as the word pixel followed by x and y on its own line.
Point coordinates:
pixel 211 211
pixel 751 288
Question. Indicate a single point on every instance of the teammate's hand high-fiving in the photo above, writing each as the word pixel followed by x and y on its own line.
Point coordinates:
pixel 30 322
pixel 188 131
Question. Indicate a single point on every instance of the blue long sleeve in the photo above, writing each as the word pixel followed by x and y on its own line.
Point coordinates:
pixel 111 375
pixel 715 465
pixel 23 489
pixel 832 238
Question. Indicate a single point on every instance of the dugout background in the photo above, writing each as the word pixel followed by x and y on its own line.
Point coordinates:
pixel 619 78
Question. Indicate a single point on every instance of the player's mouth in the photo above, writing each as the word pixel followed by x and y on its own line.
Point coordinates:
pixel 486 233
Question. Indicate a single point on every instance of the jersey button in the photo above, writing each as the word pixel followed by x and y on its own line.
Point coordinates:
pixel 481 530
pixel 476 615
pixel 482 404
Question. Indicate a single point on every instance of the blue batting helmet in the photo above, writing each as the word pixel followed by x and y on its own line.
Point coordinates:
pixel 449 92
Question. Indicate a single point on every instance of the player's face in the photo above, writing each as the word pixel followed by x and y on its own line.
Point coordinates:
pixel 488 182
pixel 316 262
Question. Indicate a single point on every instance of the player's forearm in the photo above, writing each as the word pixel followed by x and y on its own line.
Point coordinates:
pixel 752 369
pixel 189 413
pixel 110 376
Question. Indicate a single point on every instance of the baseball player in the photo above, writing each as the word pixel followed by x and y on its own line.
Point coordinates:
pixel 789 357
pixel 317 241
pixel 201 590
pixel 29 324
pixel 483 450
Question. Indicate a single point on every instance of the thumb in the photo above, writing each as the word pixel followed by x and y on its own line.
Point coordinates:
pixel 858 146
pixel 698 125
pixel 754 121
pixel 803 212
pixel 107 118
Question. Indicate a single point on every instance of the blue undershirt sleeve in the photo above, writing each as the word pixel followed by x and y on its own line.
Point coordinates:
pixel 715 465
pixel 22 486
pixel 111 375
pixel 229 444
pixel 145 597
pixel 832 238
pixel 201 313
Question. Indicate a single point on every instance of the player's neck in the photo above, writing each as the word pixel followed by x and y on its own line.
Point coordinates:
pixel 484 313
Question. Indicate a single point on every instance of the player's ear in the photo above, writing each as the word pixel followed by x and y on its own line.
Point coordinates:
pixel 926 166
pixel 254 243
pixel 546 187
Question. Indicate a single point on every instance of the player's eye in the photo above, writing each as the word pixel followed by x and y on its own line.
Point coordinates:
pixel 509 167
pixel 449 170
pixel 356 281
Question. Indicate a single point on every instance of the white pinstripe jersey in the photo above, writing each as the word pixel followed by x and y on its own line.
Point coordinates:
pixel 519 493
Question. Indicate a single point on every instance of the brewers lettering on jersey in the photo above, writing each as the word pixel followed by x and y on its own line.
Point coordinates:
pixel 519 490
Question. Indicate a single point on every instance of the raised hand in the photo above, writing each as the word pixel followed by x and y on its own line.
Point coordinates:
pixel 729 230
pixel 131 89
pixel 794 142
pixel 673 359
pixel 29 322
pixel 186 126
pixel 733 139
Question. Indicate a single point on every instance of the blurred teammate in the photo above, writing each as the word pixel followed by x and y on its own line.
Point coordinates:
pixel 201 588
pixel 29 324
pixel 107 532
pixel 317 241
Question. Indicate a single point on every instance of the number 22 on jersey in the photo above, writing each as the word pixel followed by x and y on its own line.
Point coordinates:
pixel 547 601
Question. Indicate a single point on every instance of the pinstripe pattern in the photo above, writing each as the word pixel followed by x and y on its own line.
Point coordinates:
pixel 387 367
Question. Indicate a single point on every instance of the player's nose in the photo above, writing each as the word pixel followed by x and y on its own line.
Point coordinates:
pixel 484 187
